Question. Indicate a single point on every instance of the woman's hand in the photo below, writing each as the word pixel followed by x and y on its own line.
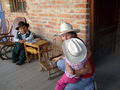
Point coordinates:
pixel 86 69
pixel 55 59
pixel 68 68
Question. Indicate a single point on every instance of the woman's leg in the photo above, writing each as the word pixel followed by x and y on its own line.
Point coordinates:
pixel 83 84
pixel 61 64
pixel 90 86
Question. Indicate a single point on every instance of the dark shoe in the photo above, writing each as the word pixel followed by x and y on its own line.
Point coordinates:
pixel 19 63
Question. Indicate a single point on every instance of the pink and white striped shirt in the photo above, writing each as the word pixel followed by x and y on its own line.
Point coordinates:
pixel 77 66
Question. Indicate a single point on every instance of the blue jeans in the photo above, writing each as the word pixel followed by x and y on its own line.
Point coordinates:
pixel 83 84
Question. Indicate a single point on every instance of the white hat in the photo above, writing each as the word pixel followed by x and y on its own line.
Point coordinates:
pixel 75 50
pixel 66 27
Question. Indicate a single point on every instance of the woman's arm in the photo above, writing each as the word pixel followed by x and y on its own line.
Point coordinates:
pixel 57 58
pixel 68 68
pixel 87 69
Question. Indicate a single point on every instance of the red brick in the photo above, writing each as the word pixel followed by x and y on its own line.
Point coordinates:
pixel 34 20
pixel 83 31
pixel 83 36
pixel 49 6
pixel 36 11
pixel 81 11
pixel 80 16
pixel 65 15
pixel 53 2
pixel 68 20
pixel 83 22
pixel 56 27
pixel 85 0
pixel 46 15
pixel 36 25
pixel 54 19
pixel 48 26
pixel 53 23
pixel 66 6
pixel 36 28
pixel 58 2
pixel 35 4
pixel 75 26
pixel 53 31
pixel 34 14
pixel 81 6
pixel 76 11
pixel 79 1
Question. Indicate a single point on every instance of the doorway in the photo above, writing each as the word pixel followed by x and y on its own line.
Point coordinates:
pixel 104 15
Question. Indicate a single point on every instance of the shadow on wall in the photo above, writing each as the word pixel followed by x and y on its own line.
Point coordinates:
pixel 43 35
pixel 38 34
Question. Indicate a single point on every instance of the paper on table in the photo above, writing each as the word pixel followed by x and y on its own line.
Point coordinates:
pixel 31 41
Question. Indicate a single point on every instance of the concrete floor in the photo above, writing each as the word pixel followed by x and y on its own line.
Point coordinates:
pixel 25 77
pixel 108 72
pixel 29 77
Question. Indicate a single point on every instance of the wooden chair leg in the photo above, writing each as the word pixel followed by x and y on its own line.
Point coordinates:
pixel 48 74
pixel 41 68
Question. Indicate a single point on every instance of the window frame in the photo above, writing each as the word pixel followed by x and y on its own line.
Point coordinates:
pixel 17 6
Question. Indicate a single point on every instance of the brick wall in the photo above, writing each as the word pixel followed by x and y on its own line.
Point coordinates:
pixel 45 16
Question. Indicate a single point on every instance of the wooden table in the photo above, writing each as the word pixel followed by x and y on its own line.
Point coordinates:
pixel 35 48
pixel 41 49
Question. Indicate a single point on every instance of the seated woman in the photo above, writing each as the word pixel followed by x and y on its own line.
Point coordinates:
pixel 23 35
pixel 87 73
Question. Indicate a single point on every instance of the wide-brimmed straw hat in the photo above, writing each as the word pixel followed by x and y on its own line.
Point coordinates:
pixel 75 50
pixel 67 27
pixel 21 23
